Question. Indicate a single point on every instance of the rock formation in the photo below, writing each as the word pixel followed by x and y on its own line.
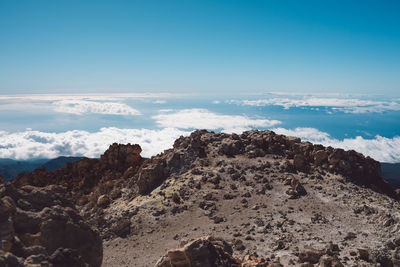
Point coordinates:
pixel 207 252
pixel 271 200
pixel 39 227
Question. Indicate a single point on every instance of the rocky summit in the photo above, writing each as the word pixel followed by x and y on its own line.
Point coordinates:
pixel 214 199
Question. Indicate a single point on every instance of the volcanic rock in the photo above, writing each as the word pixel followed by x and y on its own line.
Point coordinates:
pixel 207 251
pixel 296 189
pixel 301 195
pixel 45 229
pixel 310 255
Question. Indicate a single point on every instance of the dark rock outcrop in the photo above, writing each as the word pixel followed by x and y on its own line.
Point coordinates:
pixel 91 183
pixel 86 174
pixel 206 251
pixel 38 226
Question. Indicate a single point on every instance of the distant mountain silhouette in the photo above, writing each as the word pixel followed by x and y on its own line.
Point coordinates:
pixel 391 173
pixel 10 168
pixel 59 162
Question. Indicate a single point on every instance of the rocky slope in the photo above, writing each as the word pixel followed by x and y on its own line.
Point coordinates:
pixel 266 200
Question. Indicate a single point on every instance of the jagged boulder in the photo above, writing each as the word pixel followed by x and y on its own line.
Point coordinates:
pixel 150 176
pixel 206 251
pixel 121 157
pixel 296 189
pixel 38 226
pixel 209 252
pixel 325 258
pixel 299 162
pixel 230 147
pixel 310 255
pixel 320 156
pixel 252 261
pixel 329 261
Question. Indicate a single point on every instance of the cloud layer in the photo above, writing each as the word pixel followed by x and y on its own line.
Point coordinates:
pixel 338 104
pixel 205 119
pixel 80 107
pixel 36 144
pixel 380 148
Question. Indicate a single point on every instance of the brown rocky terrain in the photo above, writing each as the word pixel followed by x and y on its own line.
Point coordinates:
pixel 255 199
pixel 38 226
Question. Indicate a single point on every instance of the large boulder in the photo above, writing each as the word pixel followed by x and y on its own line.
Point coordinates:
pixel 230 147
pixel 299 162
pixel 320 156
pixel 150 176
pixel 296 189
pixel 311 255
pixel 206 252
pixel 38 226
pixel 121 157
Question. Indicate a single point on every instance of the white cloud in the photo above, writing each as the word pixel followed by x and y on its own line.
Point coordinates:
pixel 112 104
pixel 204 119
pixel 380 148
pixel 309 94
pixel 80 107
pixel 338 104
pixel 159 101
pixel 36 144
pixel 216 102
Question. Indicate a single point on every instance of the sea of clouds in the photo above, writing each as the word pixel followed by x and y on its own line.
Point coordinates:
pixel 173 123
pixel 348 105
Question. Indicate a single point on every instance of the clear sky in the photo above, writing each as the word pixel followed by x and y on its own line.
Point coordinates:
pixel 217 46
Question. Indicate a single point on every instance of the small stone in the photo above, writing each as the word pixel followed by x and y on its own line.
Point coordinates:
pixel 103 201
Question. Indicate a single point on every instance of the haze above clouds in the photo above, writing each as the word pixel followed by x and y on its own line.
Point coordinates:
pixel 352 105
pixel 93 97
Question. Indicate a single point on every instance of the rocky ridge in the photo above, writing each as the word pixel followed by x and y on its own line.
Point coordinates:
pixel 274 200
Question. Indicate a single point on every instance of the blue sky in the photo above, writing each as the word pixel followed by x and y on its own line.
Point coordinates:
pixel 200 46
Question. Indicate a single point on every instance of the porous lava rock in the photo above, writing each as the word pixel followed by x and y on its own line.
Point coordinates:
pixel 207 252
pixel 38 226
